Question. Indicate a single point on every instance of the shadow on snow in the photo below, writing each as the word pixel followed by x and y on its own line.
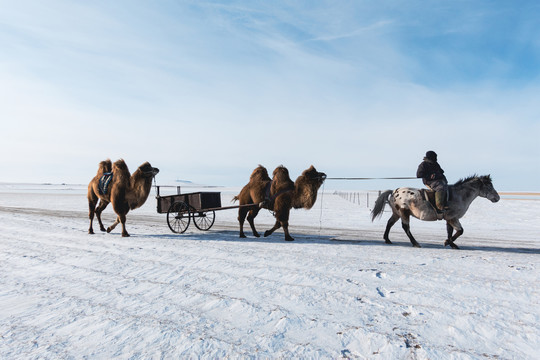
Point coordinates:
pixel 232 236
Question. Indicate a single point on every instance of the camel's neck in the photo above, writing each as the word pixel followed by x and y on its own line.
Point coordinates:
pixel 305 196
pixel 139 191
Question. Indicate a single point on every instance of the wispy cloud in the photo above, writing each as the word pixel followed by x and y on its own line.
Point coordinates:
pixel 349 87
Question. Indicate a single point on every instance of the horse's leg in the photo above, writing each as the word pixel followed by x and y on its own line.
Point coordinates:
pixel 405 217
pixel 449 229
pixel 251 220
pixel 453 224
pixel 242 213
pixel 277 225
pixel 99 210
pixel 389 225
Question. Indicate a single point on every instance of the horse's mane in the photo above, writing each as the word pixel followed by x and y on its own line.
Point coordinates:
pixel 469 179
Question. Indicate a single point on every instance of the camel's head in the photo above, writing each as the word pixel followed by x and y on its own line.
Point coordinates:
pixel 147 170
pixel 313 176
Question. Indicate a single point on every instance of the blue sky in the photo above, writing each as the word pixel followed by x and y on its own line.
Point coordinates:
pixel 207 90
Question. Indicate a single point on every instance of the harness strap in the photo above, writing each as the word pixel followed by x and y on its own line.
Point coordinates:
pixel 268 198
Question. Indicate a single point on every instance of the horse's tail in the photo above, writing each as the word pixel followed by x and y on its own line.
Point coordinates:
pixel 234 199
pixel 379 204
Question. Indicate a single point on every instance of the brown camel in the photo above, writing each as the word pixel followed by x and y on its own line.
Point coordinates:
pixel 279 195
pixel 125 191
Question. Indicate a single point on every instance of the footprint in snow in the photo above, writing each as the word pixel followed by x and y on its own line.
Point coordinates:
pixel 383 292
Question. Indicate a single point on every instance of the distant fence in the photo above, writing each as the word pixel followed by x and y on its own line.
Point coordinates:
pixel 362 198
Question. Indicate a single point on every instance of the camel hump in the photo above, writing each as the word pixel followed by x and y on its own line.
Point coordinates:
pixel 281 173
pixel 120 170
pixel 281 181
pixel 104 167
pixel 260 173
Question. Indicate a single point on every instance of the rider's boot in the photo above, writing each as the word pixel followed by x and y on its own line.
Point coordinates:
pixel 440 203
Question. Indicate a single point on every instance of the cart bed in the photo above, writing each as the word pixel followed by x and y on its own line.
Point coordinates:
pixel 197 200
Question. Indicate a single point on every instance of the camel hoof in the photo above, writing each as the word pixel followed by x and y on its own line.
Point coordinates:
pixel 451 243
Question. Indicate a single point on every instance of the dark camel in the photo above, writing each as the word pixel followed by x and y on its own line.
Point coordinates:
pixel 279 195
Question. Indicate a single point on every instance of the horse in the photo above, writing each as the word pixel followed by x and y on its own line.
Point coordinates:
pixel 410 201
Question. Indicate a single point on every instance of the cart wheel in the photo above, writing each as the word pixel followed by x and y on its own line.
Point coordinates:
pixel 203 220
pixel 178 217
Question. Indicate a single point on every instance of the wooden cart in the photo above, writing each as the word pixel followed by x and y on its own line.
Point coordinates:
pixel 199 206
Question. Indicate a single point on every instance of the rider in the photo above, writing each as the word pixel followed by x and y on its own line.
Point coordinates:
pixel 433 177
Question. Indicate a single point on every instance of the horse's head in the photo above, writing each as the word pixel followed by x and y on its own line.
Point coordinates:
pixel 487 190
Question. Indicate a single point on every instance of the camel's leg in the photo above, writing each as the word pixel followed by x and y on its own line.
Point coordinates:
pixel 92 202
pixel 123 221
pixel 251 219
pixel 242 213
pixel 277 225
pixel 116 222
pixel 282 220
pixel 405 217
pixel 285 225
pixel 91 208
pixel 389 225
pixel 99 210
pixel 453 224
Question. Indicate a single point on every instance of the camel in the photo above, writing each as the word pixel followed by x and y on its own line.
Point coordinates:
pixel 125 191
pixel 279 195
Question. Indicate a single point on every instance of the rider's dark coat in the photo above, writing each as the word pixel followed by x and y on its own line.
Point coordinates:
pixel 431 173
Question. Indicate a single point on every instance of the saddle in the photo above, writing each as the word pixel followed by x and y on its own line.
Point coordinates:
pixel 103 184
pixel 429 196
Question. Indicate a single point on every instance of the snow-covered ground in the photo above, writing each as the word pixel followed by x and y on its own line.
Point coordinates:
pixel 337 291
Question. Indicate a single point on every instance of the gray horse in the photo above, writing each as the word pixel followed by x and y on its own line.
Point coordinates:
pixel 409 201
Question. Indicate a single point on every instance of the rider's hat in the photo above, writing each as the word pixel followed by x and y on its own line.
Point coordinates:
pixel 431 155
